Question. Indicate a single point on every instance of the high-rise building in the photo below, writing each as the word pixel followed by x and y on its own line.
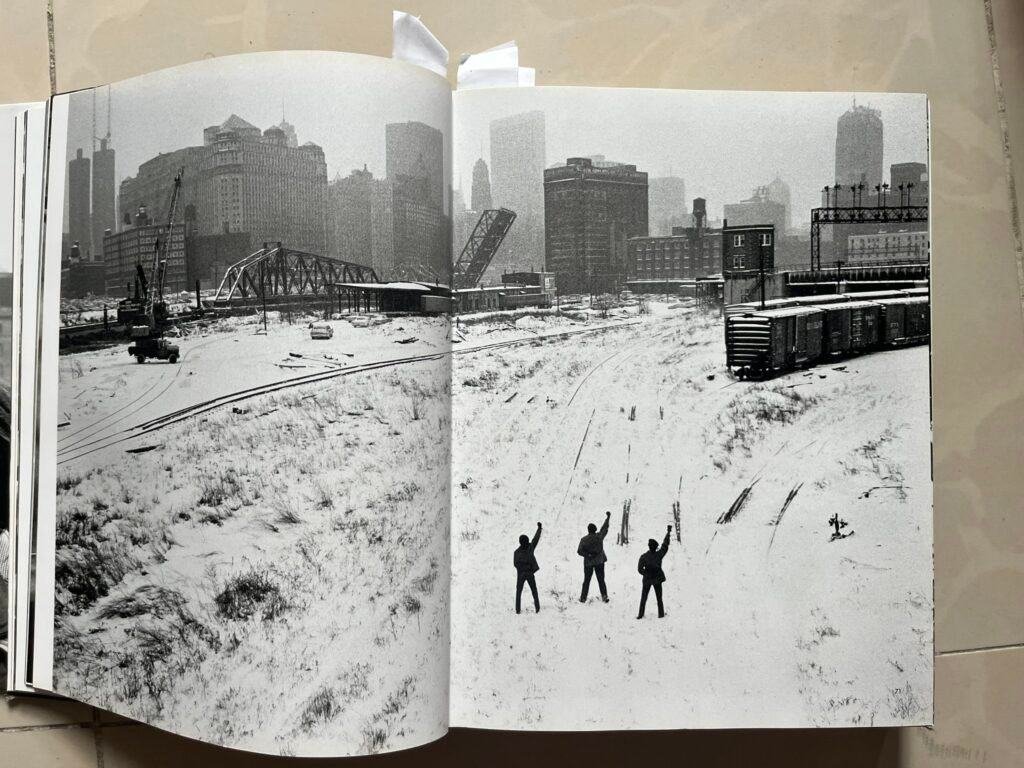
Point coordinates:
pixel 289 132
pixel 104 216
pixel 589 213
pixel 382 228
pixel 518 159
pixel 419 227
pixel 759 208
pixel 416 150
pixel 240 180
pixel 778 192
pixel 480 195
pixel 907 174
pixel 349 217
pixel 687 253
pixel 666 203
pixel 136 244
pixel 79 210
pixel 859 147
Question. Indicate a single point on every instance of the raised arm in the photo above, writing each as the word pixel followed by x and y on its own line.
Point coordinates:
pixel 664 544
pixel 607 521
pixel 536 538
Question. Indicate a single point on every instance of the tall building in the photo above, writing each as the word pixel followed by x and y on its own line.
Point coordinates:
pixel 419 231
pixel 666 203
pixel 289 132
pixel 79 210
pixel 589 213
pixel 759 208
pixel 907 174
pixel 349 218
pixel 480 195
pixel 240 180
pixel 778 192
pixel 859 147
pixel 136 244
pixel 382 228
pixel 104 216
pixel 518 160
pixel 415 149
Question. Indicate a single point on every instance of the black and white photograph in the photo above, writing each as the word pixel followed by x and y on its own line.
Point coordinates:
pixel 721 431
pixel 252 454
pixel 384 408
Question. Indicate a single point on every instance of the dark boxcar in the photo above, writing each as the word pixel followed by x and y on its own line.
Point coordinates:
pixel 863 325
pixel 836 335
pixel 761 343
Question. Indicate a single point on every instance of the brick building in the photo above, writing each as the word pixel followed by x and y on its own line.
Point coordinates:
pixel 123 250
pixel 591 209
pixel 686 254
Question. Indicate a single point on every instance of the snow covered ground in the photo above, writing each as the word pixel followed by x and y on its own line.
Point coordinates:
pixel 769 623
pixel 271 576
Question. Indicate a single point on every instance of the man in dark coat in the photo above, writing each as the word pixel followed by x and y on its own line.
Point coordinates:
pixel 650 568
pixel 591 549
pixel 526 565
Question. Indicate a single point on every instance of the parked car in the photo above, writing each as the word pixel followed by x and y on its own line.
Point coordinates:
pixel 321 331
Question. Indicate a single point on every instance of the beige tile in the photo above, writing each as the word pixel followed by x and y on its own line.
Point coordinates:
pixel 979 701
pixel 23 711
pixel 63 747
pixel 26 72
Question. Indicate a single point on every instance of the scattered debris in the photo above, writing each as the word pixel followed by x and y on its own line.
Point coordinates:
pixel 267 413
pixel 632 413
pixel 62 424
pixel 868 492
pixel 727 516
pixel 406 340
pixel 837 526
pixel 513 397
pixel 623 536
pixel 144 448
pixel 785 505
pixel 240 409
pixel 532 398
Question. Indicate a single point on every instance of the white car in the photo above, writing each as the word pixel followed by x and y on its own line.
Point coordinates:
pixel 321 331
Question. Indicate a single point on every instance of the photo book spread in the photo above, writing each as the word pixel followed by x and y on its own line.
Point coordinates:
pixel 342 407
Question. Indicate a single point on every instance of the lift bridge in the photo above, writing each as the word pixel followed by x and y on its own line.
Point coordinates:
pixel 275 271
pixel 483 243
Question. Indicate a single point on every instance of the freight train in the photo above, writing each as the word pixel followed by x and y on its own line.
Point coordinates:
pixel 808 330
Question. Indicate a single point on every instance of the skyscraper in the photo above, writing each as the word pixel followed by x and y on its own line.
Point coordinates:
pixel 79 210
pixel 590 211
pixel 666 204
pixel 480 196
pixel 518 159
pixel 240 180
pixel 415 149
pixel 349 219
pixel 103 215
pixel 859 147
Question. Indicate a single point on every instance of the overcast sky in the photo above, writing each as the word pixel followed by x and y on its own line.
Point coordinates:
pixel 722 143
pixel 339 101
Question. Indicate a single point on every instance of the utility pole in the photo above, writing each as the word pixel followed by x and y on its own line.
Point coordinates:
pixel 760 270
pixel 839 275
pixel 263 294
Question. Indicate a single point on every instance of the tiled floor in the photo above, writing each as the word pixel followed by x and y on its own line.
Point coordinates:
pixel 941 47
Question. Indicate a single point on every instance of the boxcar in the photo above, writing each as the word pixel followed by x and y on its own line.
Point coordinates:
pixel 904 320
pixel 763 343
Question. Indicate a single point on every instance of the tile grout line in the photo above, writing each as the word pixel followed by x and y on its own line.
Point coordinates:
pixel 980 649
pixel 97 737
pixel 1007 156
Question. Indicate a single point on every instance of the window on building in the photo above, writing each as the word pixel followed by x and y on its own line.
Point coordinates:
pixel 737 241
pixel 737 261
pixel 766 238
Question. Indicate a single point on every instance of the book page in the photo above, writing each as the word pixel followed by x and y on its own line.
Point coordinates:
pixel 247 431
pixel 691 436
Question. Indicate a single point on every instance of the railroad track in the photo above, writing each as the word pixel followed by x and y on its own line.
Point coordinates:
pixel 80 450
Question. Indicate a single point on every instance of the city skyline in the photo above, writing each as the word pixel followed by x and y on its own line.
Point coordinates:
pixel 723 144
pixel 345 115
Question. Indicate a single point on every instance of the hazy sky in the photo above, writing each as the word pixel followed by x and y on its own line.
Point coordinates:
pixel 339 101
pixel 722 143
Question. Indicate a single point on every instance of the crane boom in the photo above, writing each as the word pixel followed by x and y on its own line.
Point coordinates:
pixel 156 294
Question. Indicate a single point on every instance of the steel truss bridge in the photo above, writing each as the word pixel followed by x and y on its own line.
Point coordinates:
pixel 483 243
pixel 858 214
pixel 275 271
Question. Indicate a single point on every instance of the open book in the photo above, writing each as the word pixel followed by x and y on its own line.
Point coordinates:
pixel 349 408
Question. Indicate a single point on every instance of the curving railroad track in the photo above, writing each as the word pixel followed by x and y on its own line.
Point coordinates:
pixel 84 446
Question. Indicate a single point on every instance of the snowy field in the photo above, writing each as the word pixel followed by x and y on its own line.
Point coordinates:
pixel 273 574
pixel 769 622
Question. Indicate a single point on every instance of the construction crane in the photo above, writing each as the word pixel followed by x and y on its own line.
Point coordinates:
pixel 483 243
pixel 147 329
